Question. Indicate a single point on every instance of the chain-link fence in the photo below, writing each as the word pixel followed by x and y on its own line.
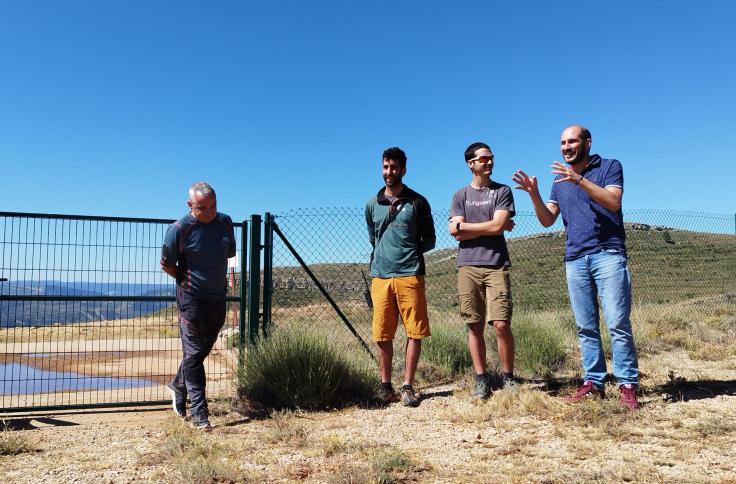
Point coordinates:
pixel 87 317
pixel 683 266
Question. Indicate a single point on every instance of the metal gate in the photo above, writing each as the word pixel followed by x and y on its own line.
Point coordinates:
pixel 88 319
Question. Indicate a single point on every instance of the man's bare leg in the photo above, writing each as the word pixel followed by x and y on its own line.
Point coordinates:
pixel 413 350
pixel 477 347
pixel 505 340
pixel 385 355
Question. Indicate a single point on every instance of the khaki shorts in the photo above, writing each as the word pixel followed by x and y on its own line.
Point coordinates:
pixel 484 293
pixel 399 295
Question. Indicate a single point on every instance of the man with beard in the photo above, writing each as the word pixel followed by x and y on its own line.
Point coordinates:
pixel 479 215
pixel 587 192
pixel 400 230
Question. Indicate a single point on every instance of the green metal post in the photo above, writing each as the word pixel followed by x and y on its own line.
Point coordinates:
pixel 254 282
pixel 267 272
pixel 243 282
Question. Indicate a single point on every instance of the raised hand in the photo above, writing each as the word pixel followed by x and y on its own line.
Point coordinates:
pixel 525 182
pixel 566 172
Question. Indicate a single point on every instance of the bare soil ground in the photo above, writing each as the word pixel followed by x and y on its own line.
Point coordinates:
pixel 527 435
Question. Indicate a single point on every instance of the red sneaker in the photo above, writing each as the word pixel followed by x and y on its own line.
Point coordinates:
pixel 586 390
pixel 628 395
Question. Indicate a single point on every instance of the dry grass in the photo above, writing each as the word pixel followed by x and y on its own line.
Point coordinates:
pixel 13 442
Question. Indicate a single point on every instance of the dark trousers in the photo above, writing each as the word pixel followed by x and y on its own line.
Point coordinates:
pixel 200 322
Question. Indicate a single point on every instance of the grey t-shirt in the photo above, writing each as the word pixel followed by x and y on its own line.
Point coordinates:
pixel 479 205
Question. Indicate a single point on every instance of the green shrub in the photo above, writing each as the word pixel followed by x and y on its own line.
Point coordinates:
pixel 446 351
pixel 540 345
pixel 297 369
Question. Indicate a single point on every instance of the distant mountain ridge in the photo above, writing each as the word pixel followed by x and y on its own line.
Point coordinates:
pixel 43 313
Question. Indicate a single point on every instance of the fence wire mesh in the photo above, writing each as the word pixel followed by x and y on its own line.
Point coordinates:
pixel 683 266
pixel 87 317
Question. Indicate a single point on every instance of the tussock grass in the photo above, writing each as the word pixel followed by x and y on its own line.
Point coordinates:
pixel 445 354
pixel 712 426
pixel 13 442
pixel 542 343
pixel 287 429
pixel 391 465
pixel 194 457
pixel 296 369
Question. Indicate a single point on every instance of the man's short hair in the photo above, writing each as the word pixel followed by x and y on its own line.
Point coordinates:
pixel 202 187
pixel 395 153
pixel 584 133
pixel 470 151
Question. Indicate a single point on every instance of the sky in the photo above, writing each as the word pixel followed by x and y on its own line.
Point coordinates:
pixel 115 108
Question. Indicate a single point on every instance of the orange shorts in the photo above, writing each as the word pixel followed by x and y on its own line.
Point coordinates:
pixel 396 296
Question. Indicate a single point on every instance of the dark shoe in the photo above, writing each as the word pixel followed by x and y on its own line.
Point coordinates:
pixel 482 387
pixel 510 383
pixel 178 401
pixel 201 422
pixel 408 398
pixel 586 390
pixel 628 395
pixel 385 394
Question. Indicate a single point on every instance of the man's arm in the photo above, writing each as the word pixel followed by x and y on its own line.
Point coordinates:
pixel 170 270
pixel 427 236
pixel 609 197
pixel 170 250
pixel 546 213
pixel 501 222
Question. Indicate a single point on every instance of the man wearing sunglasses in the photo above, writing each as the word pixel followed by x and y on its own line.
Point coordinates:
pixel 479 214
pixel 400 230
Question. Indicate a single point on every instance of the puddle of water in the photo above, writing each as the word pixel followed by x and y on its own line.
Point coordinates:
pixel 19 379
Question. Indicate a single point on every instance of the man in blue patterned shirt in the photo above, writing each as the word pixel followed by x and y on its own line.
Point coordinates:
pixel 587 192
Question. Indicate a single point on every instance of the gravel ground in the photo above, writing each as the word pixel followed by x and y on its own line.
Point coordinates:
pixel 448 438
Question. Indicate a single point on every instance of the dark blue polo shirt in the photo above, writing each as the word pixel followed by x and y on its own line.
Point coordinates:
pixel 200 251
pixel 589 226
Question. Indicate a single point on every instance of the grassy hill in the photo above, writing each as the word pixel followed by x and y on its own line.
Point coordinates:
pixel 667 266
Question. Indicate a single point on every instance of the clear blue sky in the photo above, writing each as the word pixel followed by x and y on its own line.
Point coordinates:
pixel 114 108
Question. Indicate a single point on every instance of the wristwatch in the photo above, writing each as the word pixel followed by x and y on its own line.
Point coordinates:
pixel 457 226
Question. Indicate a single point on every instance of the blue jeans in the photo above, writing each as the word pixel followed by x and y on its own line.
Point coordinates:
pixel 603 275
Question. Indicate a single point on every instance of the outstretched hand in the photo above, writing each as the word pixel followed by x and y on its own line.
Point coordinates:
pixel 525 182
pixel 566 172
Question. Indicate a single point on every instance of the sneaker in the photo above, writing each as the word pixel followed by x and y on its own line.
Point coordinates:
pixel 201 422
pixel 178 402
pixel 510 383
pixel 408 397
pixel 482 387
pixel 628 395
pixel 586 390
pixel 385 394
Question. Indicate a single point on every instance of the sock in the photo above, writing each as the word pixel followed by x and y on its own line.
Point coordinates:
pixel 508 376
pixel 481 377
pixel 387 385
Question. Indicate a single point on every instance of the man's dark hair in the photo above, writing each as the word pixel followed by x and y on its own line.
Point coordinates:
pixel 584 133
pixel 397 154
pixel 470 152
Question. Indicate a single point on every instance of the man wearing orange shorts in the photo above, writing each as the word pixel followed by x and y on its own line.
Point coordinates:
pixel 401 230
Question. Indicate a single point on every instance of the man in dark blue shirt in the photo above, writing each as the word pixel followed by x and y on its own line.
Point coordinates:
pixel 195 252
pixel 587 192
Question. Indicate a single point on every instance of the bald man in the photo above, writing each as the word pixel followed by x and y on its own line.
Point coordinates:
pixel 587 192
